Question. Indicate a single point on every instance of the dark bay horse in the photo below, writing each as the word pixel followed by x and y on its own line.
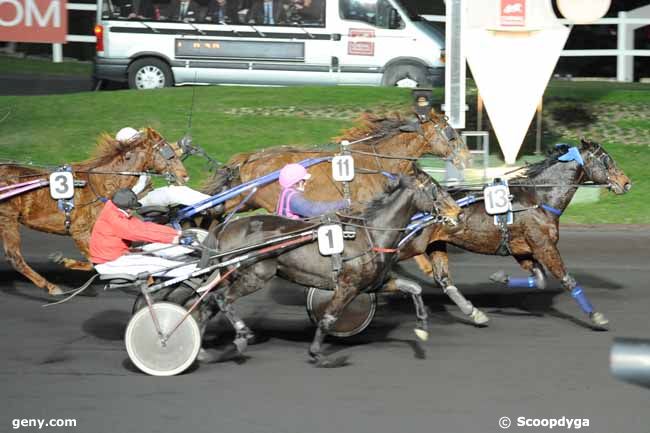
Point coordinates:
pixel 394 138
pixel 37 210
pixel 366 260
pixel 542 192
pixel 435 137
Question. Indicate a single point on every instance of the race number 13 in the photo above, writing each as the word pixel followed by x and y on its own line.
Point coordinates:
pixel 496 199
pixel 61 185
pixel 343 168
pixel 330 239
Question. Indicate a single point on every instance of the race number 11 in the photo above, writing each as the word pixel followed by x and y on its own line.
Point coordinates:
pixel 343 168
pixel 330 239
pixel 61 185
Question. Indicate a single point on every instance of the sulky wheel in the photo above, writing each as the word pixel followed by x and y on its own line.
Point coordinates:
pixel 150 353
pixel 355 318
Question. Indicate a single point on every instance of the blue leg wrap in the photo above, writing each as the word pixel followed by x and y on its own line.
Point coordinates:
pixel 582 300
pixel 522 282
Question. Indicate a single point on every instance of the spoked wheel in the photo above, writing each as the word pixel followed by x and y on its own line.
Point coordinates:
pixel 355 318
pixel 150 352
pixel 182 295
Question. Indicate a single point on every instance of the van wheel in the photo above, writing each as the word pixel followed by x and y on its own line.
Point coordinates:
pixel 405 76
pixel 150 73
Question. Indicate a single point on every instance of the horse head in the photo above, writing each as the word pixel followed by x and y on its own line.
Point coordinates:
pixel 444 205
pixel 443 139
pixel 601 168
pixel 165 157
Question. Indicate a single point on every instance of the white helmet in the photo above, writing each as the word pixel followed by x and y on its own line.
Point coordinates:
pixel 126 134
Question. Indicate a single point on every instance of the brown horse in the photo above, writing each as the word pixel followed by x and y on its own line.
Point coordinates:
pixel 395 145
pixel 38 211
pixel 542 192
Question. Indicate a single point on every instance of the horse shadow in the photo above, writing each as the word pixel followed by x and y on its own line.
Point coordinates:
pixel 14 284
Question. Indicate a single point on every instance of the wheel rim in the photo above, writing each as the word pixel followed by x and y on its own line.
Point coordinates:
pixel 149 77
pixel 144 345
pixel 353 320
pixel 407 82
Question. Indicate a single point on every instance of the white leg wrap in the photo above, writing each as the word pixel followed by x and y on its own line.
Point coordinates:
pixel 454 294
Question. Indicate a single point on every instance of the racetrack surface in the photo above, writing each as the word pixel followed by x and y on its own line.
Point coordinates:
pixel 538 358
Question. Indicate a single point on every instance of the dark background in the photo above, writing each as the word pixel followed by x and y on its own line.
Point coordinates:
pixel 589 37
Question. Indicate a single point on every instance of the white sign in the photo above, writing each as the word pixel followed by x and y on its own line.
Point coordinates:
pixel 343 168
pixel 512 65
pixel 61 185
pixel 330 239
pixel 497 199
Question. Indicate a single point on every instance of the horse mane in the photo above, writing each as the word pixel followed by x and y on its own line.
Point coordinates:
pixel 537 169
pixel 371 124
pixel 107 148
pixel 380 201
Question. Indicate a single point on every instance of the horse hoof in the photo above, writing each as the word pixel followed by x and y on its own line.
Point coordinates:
pixel 599 320
pixel 55 291
pixel 478 317
pixel 499 277
pixel 325 362
pixel 207 357
pixel 56 257
pixel 421 334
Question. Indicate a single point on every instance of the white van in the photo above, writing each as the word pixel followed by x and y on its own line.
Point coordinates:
pixel 160 43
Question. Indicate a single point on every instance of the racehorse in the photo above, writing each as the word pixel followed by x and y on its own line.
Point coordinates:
pixel 541 194
pixel 398 143
pixel 111 167
pixel 393 145
pixel 364 266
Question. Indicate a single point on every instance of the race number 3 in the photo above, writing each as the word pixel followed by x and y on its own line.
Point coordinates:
pixel 61 185
pixel 496 199
pixel 343 168
pixel 330 239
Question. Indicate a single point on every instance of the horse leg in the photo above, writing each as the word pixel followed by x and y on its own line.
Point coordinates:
pixel 536 280
pixel 76 265
pixel 440 265
pixel 342 297
pixel 550 257
pixel 415 290
pixel 10 235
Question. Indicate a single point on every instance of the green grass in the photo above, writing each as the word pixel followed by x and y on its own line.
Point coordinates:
pixel 633 124
pixel 62 128
pixel 13 65
pixel 599 91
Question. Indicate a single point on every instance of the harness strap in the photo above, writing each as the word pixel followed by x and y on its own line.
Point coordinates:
pixel 385 250
pixel 551 209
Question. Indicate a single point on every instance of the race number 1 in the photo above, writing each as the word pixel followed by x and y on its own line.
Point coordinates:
pixel 497 200
pixel 330 239
pixel 61 185
pixel 343 168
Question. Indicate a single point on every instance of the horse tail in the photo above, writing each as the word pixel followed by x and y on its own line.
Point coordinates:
pixel 227 176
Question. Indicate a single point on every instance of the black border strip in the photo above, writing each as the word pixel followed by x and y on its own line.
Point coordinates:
pixel 231 34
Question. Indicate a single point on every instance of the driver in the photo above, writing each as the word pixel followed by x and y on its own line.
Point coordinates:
pixel 115 230
pixel 167 196
pixel 292 203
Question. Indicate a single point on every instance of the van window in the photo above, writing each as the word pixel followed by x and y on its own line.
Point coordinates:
pixel 379 13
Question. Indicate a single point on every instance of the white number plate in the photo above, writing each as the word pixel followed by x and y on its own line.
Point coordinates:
pixel 343 168
pixel 330 239
pixel 496 199
pixel 61 185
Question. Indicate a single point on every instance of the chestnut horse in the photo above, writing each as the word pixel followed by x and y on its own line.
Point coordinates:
pixel 395 145
pixel 38 211
pixel 542 193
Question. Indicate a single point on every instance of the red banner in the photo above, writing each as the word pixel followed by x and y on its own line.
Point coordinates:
pixel 33 21
pixel 513 13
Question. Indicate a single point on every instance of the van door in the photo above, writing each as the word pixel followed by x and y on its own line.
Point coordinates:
pixel 373 33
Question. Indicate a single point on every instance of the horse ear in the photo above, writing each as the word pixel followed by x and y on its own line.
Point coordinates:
pixel 128 155
pixel 585 143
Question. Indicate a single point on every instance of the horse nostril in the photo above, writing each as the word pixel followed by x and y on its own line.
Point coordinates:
pixel 627 187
